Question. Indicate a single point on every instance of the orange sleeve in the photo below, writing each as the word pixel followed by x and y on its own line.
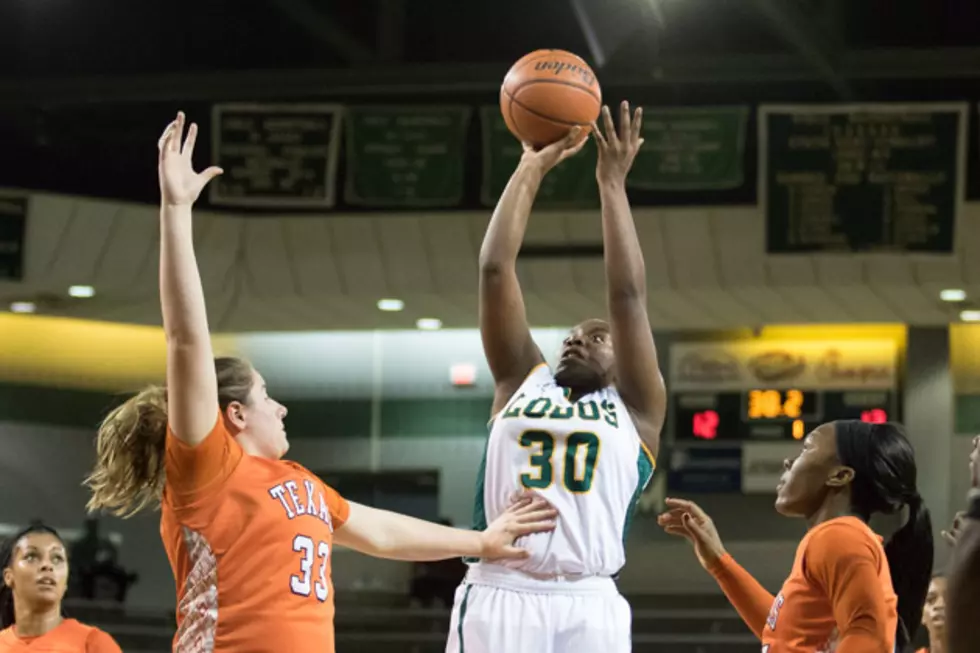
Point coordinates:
pixel 192 470
pixel 747 596
pixel 338 506
pixel 100 641
pixel 844 563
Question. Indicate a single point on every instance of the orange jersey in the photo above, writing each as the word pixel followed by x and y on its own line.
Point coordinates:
pixel 249 540
pixel 837 599
pixel 70 636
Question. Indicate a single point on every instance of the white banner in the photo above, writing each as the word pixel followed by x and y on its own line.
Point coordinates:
pixel 775 364
pixel 762 465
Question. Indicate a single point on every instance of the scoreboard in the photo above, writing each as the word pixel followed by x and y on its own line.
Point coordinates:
pixel 773 414
pixel 755 390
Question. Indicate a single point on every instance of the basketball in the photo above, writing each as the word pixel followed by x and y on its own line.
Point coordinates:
pixel 548 92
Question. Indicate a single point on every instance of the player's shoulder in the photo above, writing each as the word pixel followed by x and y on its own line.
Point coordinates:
pixel 8 638
pixel 540 374
pixel 99 641
pixel 843 535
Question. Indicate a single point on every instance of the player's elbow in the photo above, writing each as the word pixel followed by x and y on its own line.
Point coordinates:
pixel 493 267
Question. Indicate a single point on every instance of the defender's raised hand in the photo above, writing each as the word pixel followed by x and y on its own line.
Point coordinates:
pixel 179 184
pixel 617 149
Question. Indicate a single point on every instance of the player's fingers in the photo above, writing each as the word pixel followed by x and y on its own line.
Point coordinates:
pixel 678 531
pixel 637 126
pixel 624 121
pixel 687 506
pixel 571 138
pixel 948 538
pixel 600 139
pixel 607 122
pixel 695 528
pixel 521 498
pixel 188 147
pixel 537 526
pixel 165 136
pixel 535 512
pixel 209 174
pixel 577 148
pixel 515 553
pixel 178 135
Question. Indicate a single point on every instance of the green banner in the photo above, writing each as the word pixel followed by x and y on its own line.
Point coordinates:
pixel 406 156
pixel 570 185
pixel 878 177
pixel 691 149
pixel 13 222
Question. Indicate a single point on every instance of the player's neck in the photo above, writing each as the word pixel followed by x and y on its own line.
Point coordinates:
pixel 834 506
pixel 34 623
pixel 937 642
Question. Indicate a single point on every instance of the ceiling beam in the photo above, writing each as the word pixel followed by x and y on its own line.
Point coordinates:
pixel 446 79
pixel 802 33
pixel 319 25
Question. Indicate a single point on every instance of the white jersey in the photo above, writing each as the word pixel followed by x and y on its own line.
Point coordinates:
pixel 585 458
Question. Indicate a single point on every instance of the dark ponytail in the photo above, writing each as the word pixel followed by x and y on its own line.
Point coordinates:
pixel 883 461
pixel 7 615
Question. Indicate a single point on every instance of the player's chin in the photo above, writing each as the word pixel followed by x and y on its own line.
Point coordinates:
pixel 784 503
pixel 574 372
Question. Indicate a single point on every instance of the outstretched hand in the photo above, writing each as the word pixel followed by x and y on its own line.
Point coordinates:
pixel 527 514
pixel 179 184
pixel 549 156
pixel 686 519
pixel 617 149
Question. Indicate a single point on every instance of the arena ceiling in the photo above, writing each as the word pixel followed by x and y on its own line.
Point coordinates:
pixel 85 87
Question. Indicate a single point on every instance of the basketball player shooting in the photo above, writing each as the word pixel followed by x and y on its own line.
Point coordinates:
pixel 583 435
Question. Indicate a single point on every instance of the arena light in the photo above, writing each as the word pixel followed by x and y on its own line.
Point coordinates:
pixel 390 305
pixel 970 316
pixel 429 324
pixel 22 307
pixel 952 295
pixel 81 291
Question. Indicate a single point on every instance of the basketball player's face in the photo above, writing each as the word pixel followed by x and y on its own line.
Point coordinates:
pixel 804 484
pixel 263 432
pixel 934 612
pixel 586 357
pixel 38 571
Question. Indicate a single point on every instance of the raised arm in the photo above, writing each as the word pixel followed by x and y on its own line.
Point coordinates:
pixel 192 388
pixel 637 368
pixel 507 344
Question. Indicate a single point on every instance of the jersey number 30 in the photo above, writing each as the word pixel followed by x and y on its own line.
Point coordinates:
pixel 576 477
pixel 317 553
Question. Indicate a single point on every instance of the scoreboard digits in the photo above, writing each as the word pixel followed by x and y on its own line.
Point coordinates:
pixel 771 414
pixel 773 404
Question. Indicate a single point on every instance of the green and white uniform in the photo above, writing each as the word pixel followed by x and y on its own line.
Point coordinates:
pixel 586 458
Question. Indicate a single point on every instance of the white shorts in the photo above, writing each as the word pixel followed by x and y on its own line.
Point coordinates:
pixel 498 610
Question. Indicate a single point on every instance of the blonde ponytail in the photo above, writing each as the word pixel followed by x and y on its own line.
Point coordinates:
pixel 132 442
pixel 130 446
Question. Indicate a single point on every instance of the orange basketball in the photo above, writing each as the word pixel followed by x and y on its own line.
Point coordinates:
pixel 548 92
